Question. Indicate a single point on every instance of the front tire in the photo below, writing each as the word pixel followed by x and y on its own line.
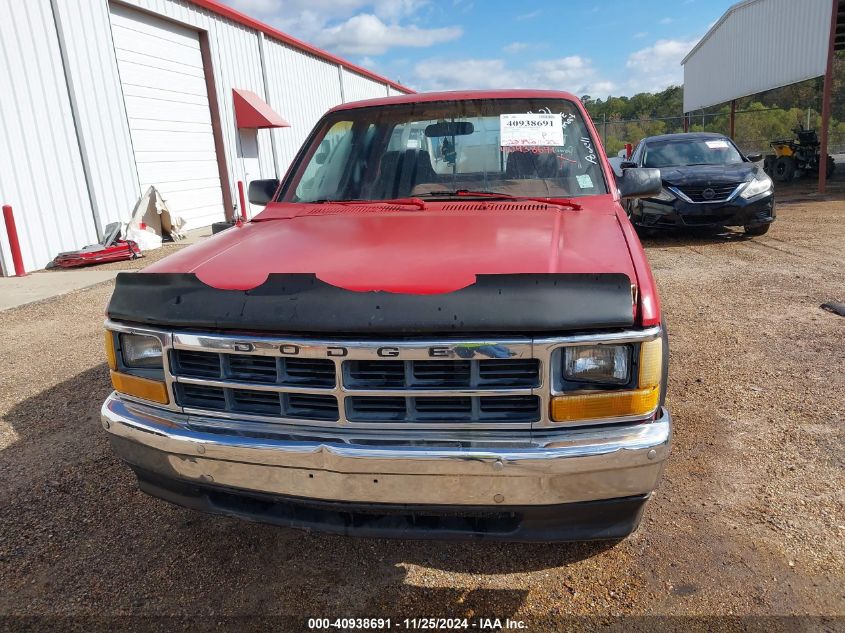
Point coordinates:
pixel 754 231
pixel 784 169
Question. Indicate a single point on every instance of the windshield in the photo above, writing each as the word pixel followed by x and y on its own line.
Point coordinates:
pixel 705 151
pixel 512 147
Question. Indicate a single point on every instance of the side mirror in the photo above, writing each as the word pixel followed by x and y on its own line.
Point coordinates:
pixel 639 182
pixel 262 191
pixel 754 158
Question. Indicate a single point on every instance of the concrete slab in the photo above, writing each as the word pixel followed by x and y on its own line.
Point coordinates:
pixel 18 291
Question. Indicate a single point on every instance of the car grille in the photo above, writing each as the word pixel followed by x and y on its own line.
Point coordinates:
pixel 425 392
pixel 720 192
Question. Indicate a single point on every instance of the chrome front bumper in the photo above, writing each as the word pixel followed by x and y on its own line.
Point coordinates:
pixel 572 465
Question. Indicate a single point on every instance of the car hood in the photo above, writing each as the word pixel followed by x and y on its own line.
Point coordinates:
pixel 436 250
pixel 707 175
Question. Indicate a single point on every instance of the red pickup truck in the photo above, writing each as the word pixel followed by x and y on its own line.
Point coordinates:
pixel 442 325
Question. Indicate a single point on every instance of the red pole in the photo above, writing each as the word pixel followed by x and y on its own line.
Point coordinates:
pixel 14 243
pixel 828 84
pixel 242 200
pixel 629 149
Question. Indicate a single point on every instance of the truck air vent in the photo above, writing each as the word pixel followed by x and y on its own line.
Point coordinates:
pixel 497 206
pixel 199 364
pixel 254 402
pixel 443 409
pixel 442 374
pixel 246 368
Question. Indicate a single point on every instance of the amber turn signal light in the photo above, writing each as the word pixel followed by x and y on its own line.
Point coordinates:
pixel 605 404
pixel 111 354
pixel 142 388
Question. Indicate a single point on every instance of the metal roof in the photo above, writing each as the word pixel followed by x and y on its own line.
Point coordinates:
pixel 215 6
pixel 460 95
pixel 759 45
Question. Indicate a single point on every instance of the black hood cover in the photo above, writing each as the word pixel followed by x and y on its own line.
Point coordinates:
pixel 708 175
pixel 301 303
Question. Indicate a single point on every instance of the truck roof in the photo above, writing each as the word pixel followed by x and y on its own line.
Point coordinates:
pixel 457 95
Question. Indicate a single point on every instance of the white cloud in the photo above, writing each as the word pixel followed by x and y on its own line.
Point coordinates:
pixel 666 21
pixel 350 27
pixel 515 47
pixel 367 34
pixel 658 66
pixel 640 35
pixel 575 74
pixel 528 16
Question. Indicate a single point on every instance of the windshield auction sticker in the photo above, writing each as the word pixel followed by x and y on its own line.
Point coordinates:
pixel 531 130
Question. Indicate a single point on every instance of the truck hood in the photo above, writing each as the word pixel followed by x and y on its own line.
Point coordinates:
pixel 707 175
pixel 437 250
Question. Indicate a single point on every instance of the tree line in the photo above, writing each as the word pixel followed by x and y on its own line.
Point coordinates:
pixel 761 118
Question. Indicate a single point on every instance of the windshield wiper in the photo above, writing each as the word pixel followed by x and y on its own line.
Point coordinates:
pixel 494 195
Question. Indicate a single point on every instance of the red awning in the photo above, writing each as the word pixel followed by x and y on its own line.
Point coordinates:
pixel 252 112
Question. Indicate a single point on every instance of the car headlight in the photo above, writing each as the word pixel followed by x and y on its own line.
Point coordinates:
pixel 761 184
pixel 597 363
pixel 664 196
pixel 623 395
pixel 140 351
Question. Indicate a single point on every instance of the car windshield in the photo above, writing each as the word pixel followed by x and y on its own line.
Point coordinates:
pixel 682 152
pixel 512 147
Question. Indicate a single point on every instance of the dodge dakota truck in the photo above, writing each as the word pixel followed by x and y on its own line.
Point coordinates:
pixel 442 325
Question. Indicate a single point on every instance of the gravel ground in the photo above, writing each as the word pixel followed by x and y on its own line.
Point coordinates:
pixel 749 520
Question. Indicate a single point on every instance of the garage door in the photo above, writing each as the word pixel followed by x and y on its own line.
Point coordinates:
pixel 163 82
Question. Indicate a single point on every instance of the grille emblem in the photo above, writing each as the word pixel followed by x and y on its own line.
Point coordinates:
pixel 708 194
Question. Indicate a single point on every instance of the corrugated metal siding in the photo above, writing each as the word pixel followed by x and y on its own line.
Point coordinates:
pixel 301 89
pixel 356 87
pixel 101 117
pixel 759 46
pixel 237 64
pixel 41 172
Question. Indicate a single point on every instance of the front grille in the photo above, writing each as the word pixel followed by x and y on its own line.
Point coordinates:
pixel 295 372
pixel 442 374
pixel 265 403
pixel 720 192
pixel 441 409
pixel 463 389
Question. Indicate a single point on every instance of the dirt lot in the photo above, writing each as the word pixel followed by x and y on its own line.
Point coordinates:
pixel 749 521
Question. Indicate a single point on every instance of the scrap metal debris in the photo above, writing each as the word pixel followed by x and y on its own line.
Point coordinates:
pixel 837 307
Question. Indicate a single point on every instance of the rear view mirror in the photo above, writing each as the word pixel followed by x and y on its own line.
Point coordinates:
pixel 262 191
pixel 446 128
pixel 639 182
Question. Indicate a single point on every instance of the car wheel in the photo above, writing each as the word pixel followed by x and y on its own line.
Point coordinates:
pixel 831 166
pixel 769 164
pixel 760 229
pixel 784 169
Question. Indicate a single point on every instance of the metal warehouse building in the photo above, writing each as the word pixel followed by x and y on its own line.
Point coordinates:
pixel 759 45
pixel 99 100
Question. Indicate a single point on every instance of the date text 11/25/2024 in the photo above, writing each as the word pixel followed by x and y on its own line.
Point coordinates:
pixel 416 624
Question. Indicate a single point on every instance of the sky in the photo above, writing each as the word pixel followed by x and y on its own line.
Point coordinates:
pixel 594 47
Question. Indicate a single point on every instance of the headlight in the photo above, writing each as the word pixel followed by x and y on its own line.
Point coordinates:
pixel 597 363
pixel 140 351
pixel 664 196
pixel 757 186
pixel 608 364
